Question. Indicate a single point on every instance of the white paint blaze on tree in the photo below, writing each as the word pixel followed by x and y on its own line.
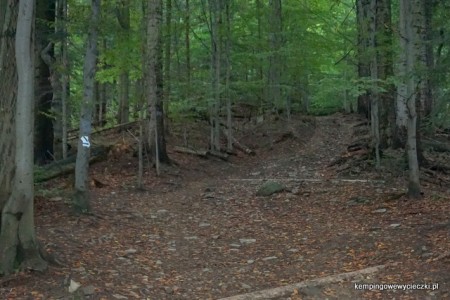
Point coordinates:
pixel 81 200
pixel 18 244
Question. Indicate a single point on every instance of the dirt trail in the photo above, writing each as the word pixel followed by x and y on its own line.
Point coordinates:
pixel 204 234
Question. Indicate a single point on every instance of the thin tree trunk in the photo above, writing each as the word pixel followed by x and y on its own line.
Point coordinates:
pixel 81 199
pixel 167 63
pixel 123 16
pixel 228 75
pixel 44 140
pixel 65 77
pixel 187 40
pixel 275 43
pixel 362 12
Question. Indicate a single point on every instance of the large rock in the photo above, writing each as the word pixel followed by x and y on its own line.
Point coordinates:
pixel 270 188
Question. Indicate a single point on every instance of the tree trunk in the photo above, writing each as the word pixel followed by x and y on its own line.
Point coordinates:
pixel 362 17
pixel 153 82
pixel 228 75
pixel 8 86
pixel 18 244
pixel 44 141
pixel 123 16
pixel 187 41
pixel 215 7
pixel 167 64
pixel 374 99
pixel 275 43
pixel 81 200
pixel 411 18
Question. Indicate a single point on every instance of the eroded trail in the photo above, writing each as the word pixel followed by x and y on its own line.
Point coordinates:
pixel 206 235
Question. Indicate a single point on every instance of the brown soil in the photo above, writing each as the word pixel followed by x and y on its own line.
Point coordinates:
pixel 200 232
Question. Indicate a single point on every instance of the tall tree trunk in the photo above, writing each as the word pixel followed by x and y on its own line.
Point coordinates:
pixel 44 141
pixel 385 71
pixel 228 74
pixel 18 244
pixel 167 63
pixel 215 7
pixel 411 12
pixel 123 16
pixel 8 86
pixel 275 43
pixel 153 82
pixel 81 201
pixel 65 75
pixel 187 41
pixel 374 74
pixel 362 18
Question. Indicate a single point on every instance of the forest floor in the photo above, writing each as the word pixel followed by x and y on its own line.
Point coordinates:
pixel 199 231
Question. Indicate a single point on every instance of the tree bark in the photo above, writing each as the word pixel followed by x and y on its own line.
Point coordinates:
pixel 411 18
pixel 153 82
pixel 45 14
pixel 81 201
pixel 8 86
pixel 275 44
pixel 362 13
pixel 18 244
pixel 123 16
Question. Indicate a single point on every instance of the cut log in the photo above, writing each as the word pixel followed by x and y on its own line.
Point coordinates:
pixel 222 156
pixel 74 134
pixel 436 145
pixel 239 146
pixel 67 166
pixel 201 153
pixel 287 290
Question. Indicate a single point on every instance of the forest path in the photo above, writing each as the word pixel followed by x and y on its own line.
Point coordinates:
pixel 200 231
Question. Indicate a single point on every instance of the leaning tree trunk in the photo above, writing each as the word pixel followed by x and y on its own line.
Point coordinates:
pixel 81 201
pixel 18 244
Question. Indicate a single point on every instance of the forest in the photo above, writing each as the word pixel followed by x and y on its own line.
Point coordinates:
pixel 224 149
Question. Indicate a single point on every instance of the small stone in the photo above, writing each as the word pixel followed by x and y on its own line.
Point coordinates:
pixel 247 241
pixel 293 250
pixel 216 237
pixel 74 286
pixel 130 251
pixel 395 225
pixel 235 245
pixel 245 286
pixel 118 296
pixel 379 211
pixel 250 261
pixel 269 188
pixel 88 290
pixel 80 270
pixel 269 258
pixel 158 262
